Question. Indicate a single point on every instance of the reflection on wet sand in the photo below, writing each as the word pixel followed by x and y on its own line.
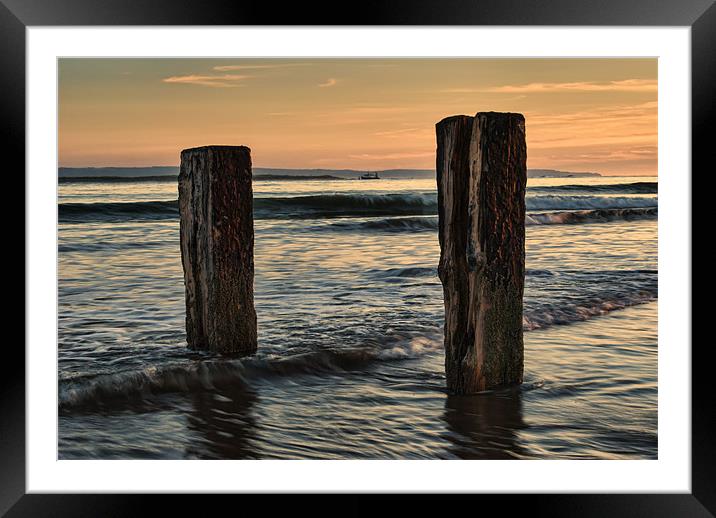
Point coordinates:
pixel 485 426
pixel 225 422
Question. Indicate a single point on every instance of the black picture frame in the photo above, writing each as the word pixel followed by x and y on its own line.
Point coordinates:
pixel 17 15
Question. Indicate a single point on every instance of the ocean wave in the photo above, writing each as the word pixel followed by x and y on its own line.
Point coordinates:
pixel 330 205
pixel 558 202
pixel 624 188
pixel 575 295
pixel 338 205
pixel 430 224
pixel 314 206
pixel 579 311
pixel 107 390
pixel 590 216
pixel 407 271
pixel 423 271
pixel 105 246
pixel 396 224
pixel 118 179
pixel 117 211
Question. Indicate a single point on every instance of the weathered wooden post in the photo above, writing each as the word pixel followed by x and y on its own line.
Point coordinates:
pixel 481 176
pixel 217 248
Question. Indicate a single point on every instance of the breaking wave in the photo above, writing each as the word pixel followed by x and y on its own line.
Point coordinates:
pixel 589 216
pixel 557 202
pixel 328 205
pixel 583 310
pixel 117 211
pixel 399 224
pixel 91 392
pixel 617 188
pixel 337 205
pixel 112 388
pixel 430 224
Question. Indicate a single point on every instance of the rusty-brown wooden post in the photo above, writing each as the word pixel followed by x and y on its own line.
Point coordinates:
pixel 481 177
pixel 217 248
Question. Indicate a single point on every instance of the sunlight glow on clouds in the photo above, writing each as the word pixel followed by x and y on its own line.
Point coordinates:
pixel 581 114
pixel 215 81
pixel 627 85
pixel 392 156
pixel 229 68
pixel 327 83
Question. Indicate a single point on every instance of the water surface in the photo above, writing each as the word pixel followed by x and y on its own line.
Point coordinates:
pixel 350 361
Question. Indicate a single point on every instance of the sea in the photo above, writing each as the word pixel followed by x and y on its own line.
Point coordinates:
pixel 350 318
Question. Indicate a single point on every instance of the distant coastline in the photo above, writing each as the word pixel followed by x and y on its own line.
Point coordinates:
pixel 173 178
pixel 260 173
pixel 282 177
pixel 169 173
pixel 553 173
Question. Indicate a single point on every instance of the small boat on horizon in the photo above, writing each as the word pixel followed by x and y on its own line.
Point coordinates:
pixel 369 176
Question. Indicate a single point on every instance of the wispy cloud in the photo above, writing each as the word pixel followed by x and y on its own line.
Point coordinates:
pixel 391 156
pixel 611 154
pixel 632 125
pixel 381 109
pixel 397 132
pixel 226 80
pixel 625 85
pixel 229 68
pixel 401 133
pixel 613 139
pixel 598 113
pixel 463 90
pixel 328 83
pixel 612 158
pixel 362 114
pixel 214 81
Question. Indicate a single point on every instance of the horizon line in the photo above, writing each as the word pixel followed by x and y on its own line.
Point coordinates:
pixel 655 174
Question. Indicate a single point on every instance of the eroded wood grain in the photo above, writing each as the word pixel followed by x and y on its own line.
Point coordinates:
pixel 482 176
pixel 217 247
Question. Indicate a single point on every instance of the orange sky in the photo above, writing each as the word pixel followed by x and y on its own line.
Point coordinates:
pixel 582 114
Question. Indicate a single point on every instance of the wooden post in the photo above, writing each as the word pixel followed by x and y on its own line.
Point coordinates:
pixel 481 176
pixel 217 248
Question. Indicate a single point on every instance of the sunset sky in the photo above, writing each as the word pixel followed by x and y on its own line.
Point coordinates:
pixel 369 114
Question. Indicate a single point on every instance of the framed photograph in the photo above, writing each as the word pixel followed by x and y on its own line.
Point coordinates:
pixel 408 250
